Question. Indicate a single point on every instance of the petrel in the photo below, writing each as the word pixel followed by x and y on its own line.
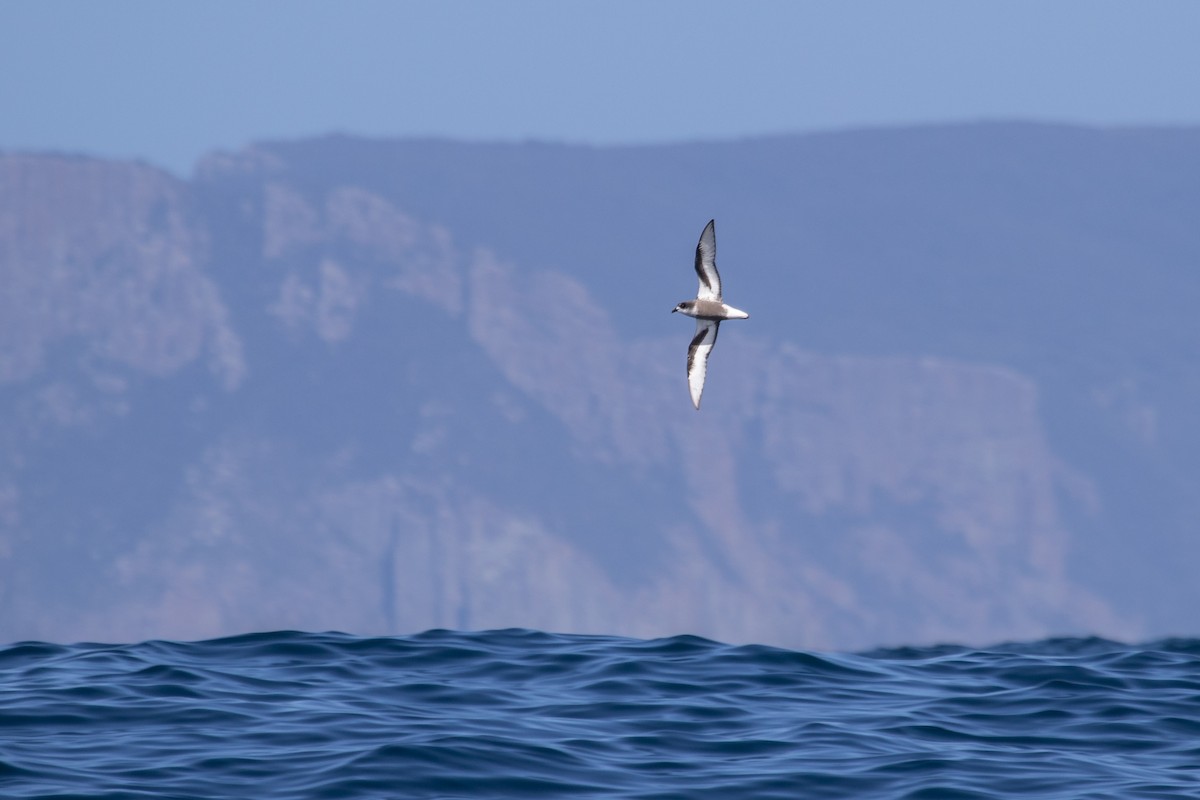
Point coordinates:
pixel 708 309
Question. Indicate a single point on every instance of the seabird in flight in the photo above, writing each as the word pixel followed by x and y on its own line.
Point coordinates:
pixel 708 309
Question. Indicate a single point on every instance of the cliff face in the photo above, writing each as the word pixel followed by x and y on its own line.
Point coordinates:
pixel 297 392
pixel 106 255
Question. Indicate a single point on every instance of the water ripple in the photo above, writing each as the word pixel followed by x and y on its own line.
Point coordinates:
pixel 520 713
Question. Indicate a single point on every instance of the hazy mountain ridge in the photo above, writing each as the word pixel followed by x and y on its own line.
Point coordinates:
pixel 389 425
pixel 106 252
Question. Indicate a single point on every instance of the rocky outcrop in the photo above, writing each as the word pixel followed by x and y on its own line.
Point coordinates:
pixel 106 255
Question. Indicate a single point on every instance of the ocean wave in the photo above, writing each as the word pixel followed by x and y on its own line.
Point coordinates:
pixel 520 713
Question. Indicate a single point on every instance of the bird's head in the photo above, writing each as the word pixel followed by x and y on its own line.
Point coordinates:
pixel 684 306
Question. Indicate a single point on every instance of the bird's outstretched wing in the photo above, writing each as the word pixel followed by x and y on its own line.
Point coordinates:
pixel 706 264
pixel 698 350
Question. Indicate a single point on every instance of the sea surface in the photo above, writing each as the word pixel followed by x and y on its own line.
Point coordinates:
pixel 518 713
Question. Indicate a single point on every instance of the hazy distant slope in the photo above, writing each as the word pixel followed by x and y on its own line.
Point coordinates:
pixel 1065 253
pixel 108 326
pixel 384 386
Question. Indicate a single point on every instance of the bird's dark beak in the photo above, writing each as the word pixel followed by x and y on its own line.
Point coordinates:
pixel 673 310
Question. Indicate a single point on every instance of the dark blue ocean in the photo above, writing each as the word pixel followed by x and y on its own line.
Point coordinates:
pixel 518 713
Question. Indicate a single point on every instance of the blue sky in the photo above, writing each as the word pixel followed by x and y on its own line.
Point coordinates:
pixel 168 81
